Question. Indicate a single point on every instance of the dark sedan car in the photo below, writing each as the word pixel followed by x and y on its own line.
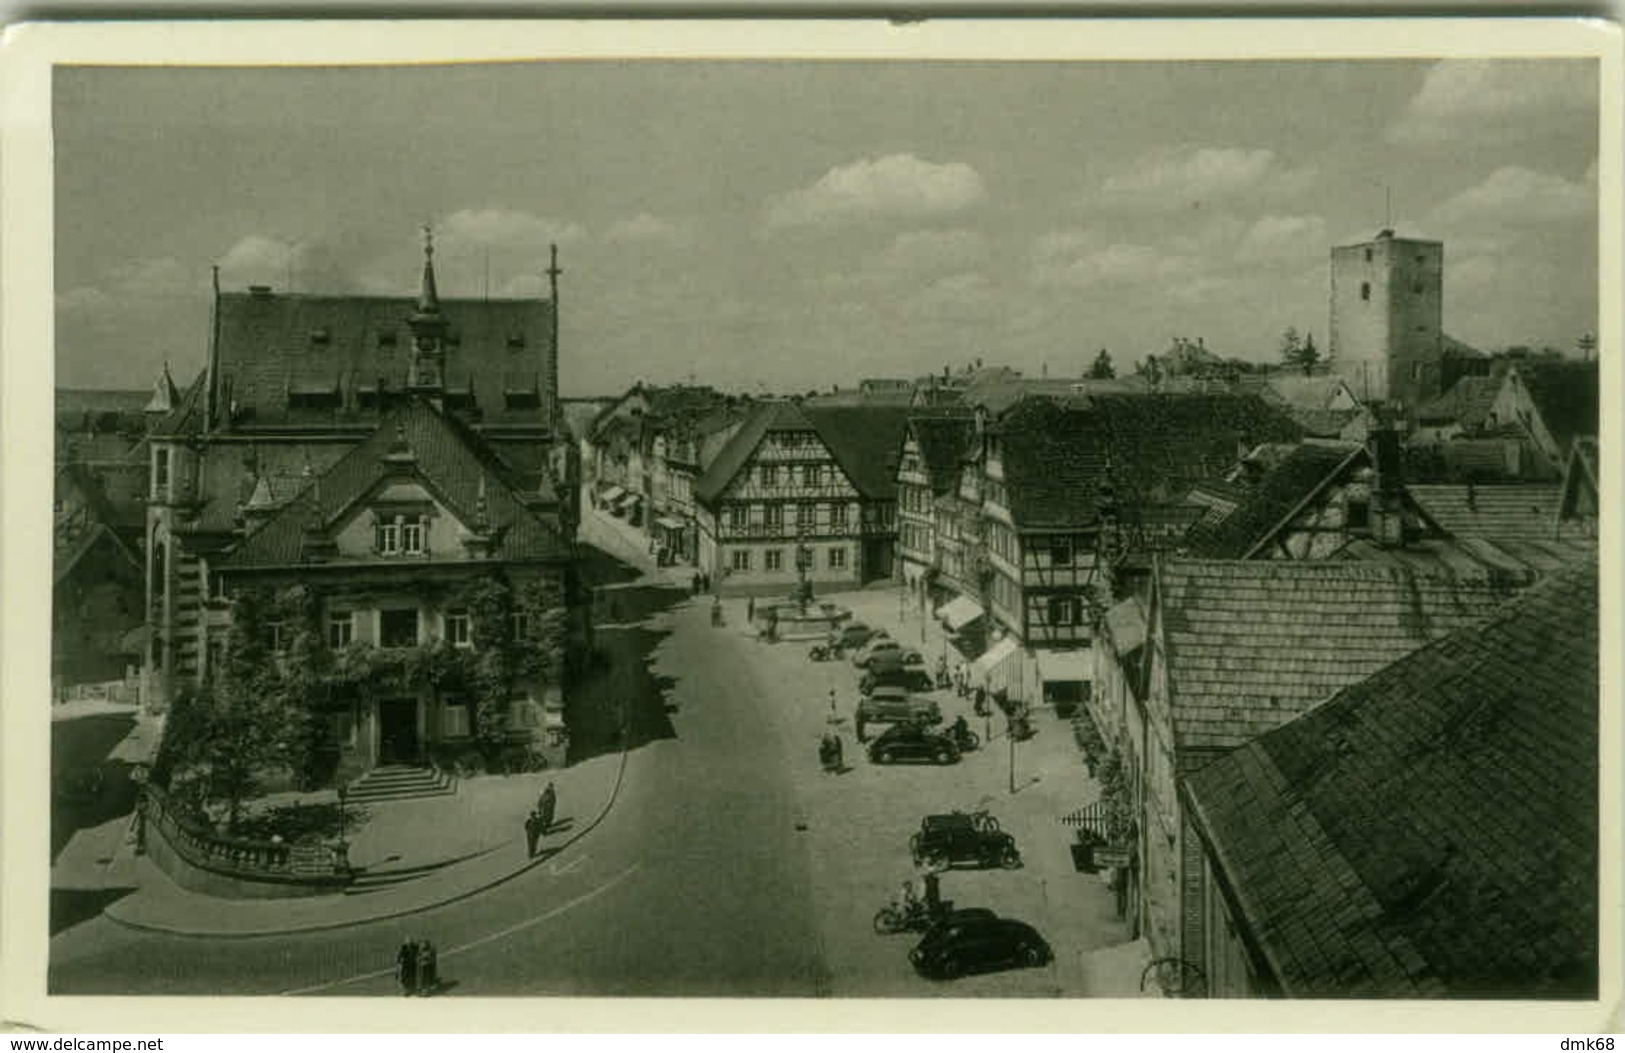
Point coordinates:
pixel 911 742
pixel 977 945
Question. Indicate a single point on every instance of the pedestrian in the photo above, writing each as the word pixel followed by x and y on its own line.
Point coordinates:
pixel 933 892
pixel 428 967
pixel 695 583
pixel 750 609
pixel 406 967
pixel 981 701
pixel 533 833
pixel 546 804
pixel 834 718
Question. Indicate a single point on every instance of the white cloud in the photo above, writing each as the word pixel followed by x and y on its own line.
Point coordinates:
pixel 930 250
pixel 954 294
pixel 311 265
pixel 1519 196
pixel 1185 177
pixel 498 228
pixel 1281 239
pixel 84 299
pixel 897 185
pixel 1081 259
pixel 1504 98
pixel 646 227
pixel 127 286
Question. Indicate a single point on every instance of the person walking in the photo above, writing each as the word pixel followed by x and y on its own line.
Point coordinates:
pixel 750 609
pixel 406 967
pixel 933 892
pixel 428 967
pixel 533 833
pixel 545 805
pixel 695 583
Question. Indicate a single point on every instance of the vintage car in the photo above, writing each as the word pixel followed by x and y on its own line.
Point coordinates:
pixel 978 944
pixel 963 837
pixel 894 705
pixel 884 648
pixel 912 742
pixel 887 674
pixel 853 634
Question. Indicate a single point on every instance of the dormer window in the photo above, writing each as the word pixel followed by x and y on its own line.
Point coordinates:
pixel 389 538
pixel 412 537
pixel 401 534
pixel 319 337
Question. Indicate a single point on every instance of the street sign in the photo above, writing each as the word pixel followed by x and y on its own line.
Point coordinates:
pixel 1111 856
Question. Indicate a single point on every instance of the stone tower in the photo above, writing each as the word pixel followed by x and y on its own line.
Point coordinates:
pixel 1387 310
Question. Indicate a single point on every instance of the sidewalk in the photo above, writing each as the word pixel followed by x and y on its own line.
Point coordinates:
pixel 631 545
pixel 586 792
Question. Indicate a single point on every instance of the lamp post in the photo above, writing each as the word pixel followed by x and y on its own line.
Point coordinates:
pixel 343 848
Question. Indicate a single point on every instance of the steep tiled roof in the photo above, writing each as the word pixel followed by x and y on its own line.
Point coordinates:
pixel 1310 393
pixel 998 394
pixel 942 441
pixel 269 343
pixel 1284 489
pixel 1431 830
pixel 865 441
pixel 1511 562
pixel 1565 393
pixel 1467 402
pixel 1322 423
pixel 726 462
pixel 68 553
pixel 1158 446
pixel 451 460
pixel 1507 510
pixel 1251 645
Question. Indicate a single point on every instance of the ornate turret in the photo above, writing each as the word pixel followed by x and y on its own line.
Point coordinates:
pixel 428 373
pixel 478 540
pixel 165 397
pixel 315 544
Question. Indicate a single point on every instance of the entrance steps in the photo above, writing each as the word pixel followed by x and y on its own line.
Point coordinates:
pixel 400 782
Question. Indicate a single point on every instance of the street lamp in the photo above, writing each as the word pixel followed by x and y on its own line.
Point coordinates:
pixel 344 794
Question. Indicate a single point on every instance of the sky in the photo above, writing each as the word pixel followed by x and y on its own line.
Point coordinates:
pixel 789 225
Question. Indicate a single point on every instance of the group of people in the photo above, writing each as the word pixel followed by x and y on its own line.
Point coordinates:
pixel 540 820
pixel 417 966
pixel 700 583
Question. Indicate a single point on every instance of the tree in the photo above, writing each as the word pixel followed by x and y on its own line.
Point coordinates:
pixel 1151 370
pixel 1291 347
pixel 1103 369
pixel 1308 356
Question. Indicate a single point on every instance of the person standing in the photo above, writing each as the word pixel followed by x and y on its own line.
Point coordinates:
pixel 933 892
pixel 406 967
pixel 533 833
pixel 750 609
pixel 428 966
pixel 546 804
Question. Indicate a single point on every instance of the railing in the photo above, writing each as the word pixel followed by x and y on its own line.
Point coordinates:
pixel 238 857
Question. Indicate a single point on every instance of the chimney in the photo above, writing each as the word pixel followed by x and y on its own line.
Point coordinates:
pixel 1387 486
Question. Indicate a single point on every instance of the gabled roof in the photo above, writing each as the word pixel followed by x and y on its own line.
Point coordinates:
pixel 865 441
pixel 1270 502
pixel 66 557
pixel 1493 510
pixel 1580 493
pixel 187 416
pixel 942 441
pixel 1315 392
pixel 736 452
pixel 271 342
pixel 1467 403
pixel 449 458
pixel 1253 644
pixel 1158 446
pixel 1565 393
pixel 1432 829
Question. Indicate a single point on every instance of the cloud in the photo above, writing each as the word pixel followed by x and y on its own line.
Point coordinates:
pixel 1519 196
pixel 1080 259
pixel 895 185
pixel 499 228
pixel 953 295
pixel 1499 98
pixel 1174 179
pixel 920 251
pixel 1282 239
pixel 311 265
pixel 128 286
pixel 645 227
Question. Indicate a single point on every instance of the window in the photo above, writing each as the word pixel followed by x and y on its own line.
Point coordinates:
pixel 1060 550
pixel 160 471
pixel 519 625
pixel 412 536
pixel 1365 290
pixel 812 475
pixel 522 714
pixel 737 517
pixel 806 516
pixel 838 517
pixel 770 475
pixel 388 538
pixel 775 517
pixel 454 721
pixel 739 559
pixel 340 630
pixel 837 558
pixel 1368 255
pixel 1357 514
pixel 278 637
pixel 1065 610
pixel 398 628
pixel 459 630
pixel 773 559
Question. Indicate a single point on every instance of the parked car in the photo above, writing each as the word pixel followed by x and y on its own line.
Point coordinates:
pixel 963 837
pixel 882 646
pixel 851 635
pixel 894 705
pixel 912 742
pixel 902 658
pixel 906 677
pixel 978 944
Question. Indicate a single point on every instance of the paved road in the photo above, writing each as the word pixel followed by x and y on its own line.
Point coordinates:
pixel 695 884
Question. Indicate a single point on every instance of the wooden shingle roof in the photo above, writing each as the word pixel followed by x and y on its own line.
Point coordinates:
pixel 1431 830
pixel 1250 645
pixel 1522 510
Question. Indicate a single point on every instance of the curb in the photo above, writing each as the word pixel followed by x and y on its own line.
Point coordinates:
pixel 387 914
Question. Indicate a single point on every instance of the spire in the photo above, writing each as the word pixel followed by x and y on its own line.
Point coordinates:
pixel 482 520
pixel 400 456
pixel 428 296
pixel 164 394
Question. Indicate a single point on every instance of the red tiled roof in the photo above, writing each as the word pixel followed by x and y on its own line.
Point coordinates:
pixel 1432 829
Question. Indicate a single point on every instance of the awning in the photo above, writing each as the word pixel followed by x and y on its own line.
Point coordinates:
pixel 959 612
pixel 984 667
pixel 611 495
pixel 1065 667
pixel 669 523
